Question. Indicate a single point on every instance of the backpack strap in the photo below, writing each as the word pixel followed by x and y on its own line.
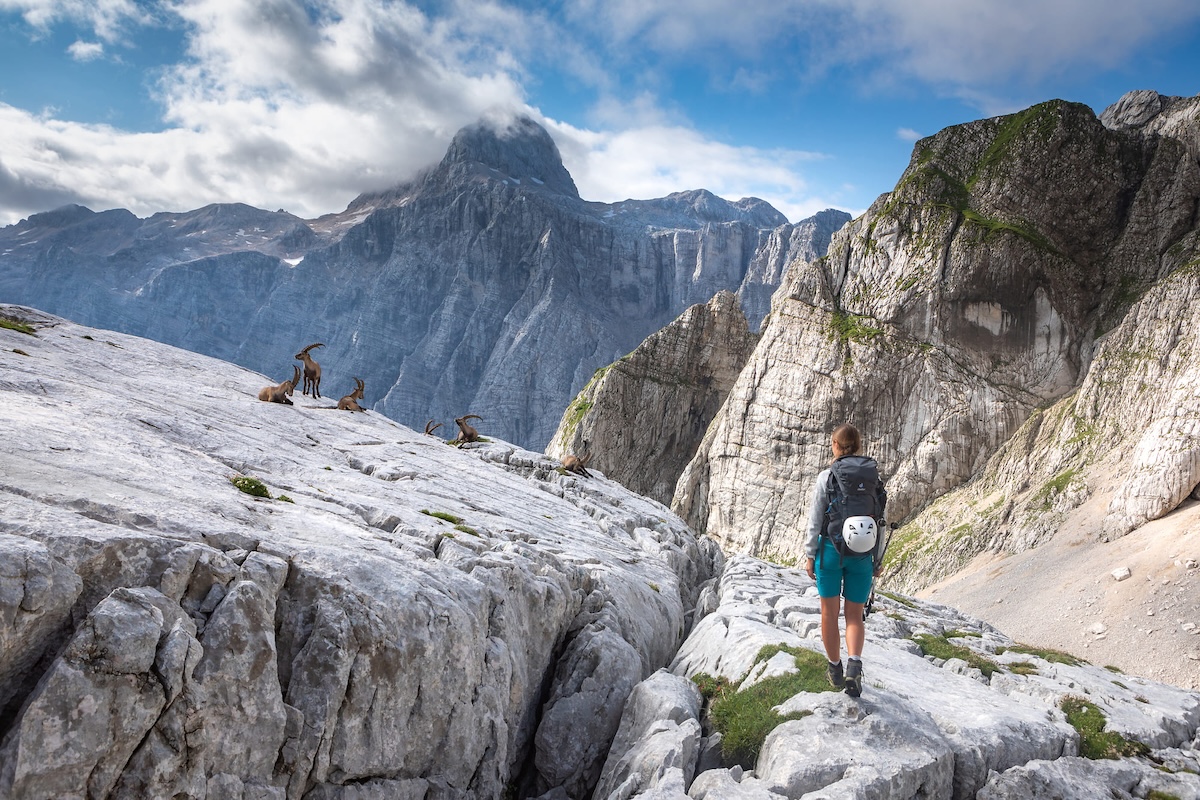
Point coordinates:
pixel 831 496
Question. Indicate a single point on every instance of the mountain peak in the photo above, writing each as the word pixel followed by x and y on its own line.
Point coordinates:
pixel 518 147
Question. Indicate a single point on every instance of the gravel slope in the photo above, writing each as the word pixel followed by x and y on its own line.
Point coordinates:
pixel 1064 595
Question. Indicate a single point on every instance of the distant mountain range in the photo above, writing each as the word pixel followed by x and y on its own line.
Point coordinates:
pixel 484 286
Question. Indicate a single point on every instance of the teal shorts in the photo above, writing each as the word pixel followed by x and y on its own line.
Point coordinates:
pixel 848 577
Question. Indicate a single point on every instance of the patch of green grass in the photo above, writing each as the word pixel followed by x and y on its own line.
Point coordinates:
pixel 958 634
pixel 20 352
pixel 1111 668
pixel 745 718
pixel 1045 653
pixel 780 560
pixel 959 531
pixel 938 647
pixel 1022 668
pixel 992 227
pixel 443 515
pixel 853 328
pixel 895 598
pixel 1084 431
pixel 1043 499
pixel 466 529
pixel 16 325
pixel 655 587
pixel 251 486
pixel 1155 794
pixel 1037 122
pixel 709 686
pixel 1094 741
pixel 284 498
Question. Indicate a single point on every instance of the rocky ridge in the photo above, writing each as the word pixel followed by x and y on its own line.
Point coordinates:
pixel 654 404
pixel 485 286
pixel 395 618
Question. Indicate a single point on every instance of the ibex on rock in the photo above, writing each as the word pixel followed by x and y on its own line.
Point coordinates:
pixel 577 465
pixel 466 432
pixel 280 393
pixel 350 401
pixel 312 371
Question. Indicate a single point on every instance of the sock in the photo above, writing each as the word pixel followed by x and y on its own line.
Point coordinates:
pixel 837 663
pixel 856 658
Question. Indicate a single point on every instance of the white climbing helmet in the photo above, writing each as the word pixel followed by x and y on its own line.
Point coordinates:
pixel 860 533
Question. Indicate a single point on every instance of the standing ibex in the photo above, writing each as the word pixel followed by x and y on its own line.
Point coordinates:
pixel 577 465
pixel 279 394
pixel 350 401
pixel 466 432
pixel 312 371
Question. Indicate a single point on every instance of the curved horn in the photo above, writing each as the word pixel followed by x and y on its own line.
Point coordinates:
pixel 311 346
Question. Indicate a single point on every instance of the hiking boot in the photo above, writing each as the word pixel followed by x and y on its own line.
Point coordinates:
pixel 835 675
pixel 853 677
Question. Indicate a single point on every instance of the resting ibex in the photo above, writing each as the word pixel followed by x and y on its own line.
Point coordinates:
pixel 577 465
pixel 430 427
pixel 466 432
pixel 279 394
pixel 350 401
pixel 312 371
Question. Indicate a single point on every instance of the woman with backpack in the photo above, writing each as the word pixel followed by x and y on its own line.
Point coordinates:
pixel 844 548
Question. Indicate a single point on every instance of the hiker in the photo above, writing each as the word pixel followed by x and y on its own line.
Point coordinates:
pixel 844 544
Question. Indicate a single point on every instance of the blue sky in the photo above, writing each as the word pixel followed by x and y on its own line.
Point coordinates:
pixel 170 105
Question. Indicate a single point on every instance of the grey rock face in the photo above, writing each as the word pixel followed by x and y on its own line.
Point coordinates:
pixel 166 635
pixel 642 418
pixel 1123 442
pixel 958 304
pixel 807 240
pixel 486 286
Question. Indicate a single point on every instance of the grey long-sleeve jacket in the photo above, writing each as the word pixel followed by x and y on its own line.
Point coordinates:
pixel 816 514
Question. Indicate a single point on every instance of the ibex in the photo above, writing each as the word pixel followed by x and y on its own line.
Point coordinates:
pixel 312 371
pixel 430 427
pixel 280 393
pixel 466 432
pixel 577 465
pixel 350 401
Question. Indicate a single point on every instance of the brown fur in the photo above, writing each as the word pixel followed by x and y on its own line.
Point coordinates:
pixel 280 393
pixel 312 371
pixel 350 401
pixel 577 465
pixel 466 432
pixel 430 427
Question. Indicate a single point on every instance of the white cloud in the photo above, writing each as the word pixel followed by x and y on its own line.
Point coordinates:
pixel 653 161
pixel 960 46
pixel 302 104
pixel 272 108
pixel 85 51
pixel 107 19
pixel 907 135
